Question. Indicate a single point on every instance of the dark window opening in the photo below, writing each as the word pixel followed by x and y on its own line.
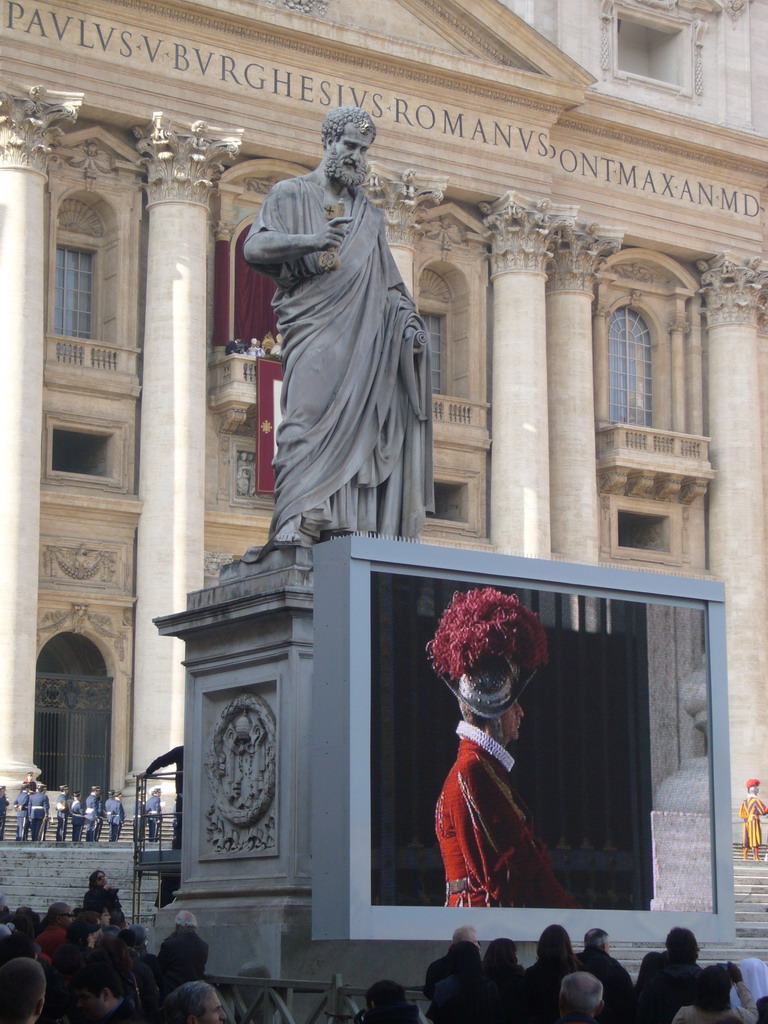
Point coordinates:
pixel 451 502
pixel 85 454
pixel 648 533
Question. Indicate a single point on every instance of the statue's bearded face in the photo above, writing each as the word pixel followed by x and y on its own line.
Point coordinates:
pixel 345 159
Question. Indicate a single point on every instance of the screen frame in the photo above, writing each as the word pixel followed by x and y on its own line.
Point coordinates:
pixel 341 825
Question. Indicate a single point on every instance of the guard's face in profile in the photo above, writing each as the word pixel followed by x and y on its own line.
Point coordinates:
pixel 510 723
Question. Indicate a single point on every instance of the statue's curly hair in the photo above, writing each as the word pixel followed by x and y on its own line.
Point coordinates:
pixel 485 624
pixel 337 120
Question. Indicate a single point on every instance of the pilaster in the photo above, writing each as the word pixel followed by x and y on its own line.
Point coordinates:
pixel 576 255
pixel 29 129
pixel 521 234
pixel 182 166
pixel 402 197
pixel 732 291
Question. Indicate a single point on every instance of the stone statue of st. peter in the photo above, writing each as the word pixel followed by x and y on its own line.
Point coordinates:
pixel 354 447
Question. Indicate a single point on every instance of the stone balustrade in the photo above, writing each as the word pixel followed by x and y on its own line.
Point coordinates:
pixel 647 462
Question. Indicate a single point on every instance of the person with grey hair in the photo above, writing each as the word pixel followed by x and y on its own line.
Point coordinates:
pixel 354 445
pixel 195 999
pixel 581 998
pixel 441 968
pixel 618 990
pixel 183 955
pixel 22 991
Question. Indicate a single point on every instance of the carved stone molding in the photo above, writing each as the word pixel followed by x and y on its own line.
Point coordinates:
pixel 612 482
pixel 522 230
pixel 92 160
pixel 77 217
pixel 432 286
pixel 231 420
pixel 731 289
pixel 640 485
pixel 28 130
pixel 401 197
pixel 576 256
pixel 260 186
pixel 240 766
pixel 677 323
pixel 667 487
pixel 316 7
pixel 691 490
pixel 445 231
pixel 78 618
pixel 183 166
pixel 735 8
pixel 81 563
pixel 213 561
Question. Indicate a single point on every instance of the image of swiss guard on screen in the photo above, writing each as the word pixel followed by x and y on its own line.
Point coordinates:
pixel 486 649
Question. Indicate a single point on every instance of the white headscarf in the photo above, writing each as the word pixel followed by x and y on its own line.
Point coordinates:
pixel 755 975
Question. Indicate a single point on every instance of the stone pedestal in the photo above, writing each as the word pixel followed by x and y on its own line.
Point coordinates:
pixel 246 857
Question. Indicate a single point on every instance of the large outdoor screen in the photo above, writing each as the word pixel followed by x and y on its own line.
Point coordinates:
pixel 603 804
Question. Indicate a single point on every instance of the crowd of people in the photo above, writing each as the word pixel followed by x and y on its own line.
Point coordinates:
pixel 90 965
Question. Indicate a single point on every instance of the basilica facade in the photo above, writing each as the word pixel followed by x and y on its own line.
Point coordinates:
pixel 573 193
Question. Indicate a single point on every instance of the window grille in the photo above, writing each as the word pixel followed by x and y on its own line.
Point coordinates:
pixel 630 390
pixel 74 293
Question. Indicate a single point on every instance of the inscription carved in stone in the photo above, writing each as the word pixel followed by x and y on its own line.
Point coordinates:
pixel 241 770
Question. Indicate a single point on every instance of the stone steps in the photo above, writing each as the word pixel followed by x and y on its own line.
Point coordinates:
pixel 38 874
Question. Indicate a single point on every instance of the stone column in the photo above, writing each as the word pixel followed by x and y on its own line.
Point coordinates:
pixel 27 131
pixel 678 327
pixel 169 557
pixel 731 290
pixel 573 488
pixel 401 196
pixel 521 243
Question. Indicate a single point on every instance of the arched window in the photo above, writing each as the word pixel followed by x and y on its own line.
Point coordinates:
pixel 630 393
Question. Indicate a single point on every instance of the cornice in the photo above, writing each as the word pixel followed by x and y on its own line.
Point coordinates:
pixel 456 73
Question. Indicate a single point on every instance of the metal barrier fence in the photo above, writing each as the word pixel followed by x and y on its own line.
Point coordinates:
pixel 284 1001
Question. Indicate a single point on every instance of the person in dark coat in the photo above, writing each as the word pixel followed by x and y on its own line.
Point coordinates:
pixel 440 968
pixel 674 985
pixel 101 896
pixel 386 1004
pixel 501 966
pixel 38 809
pixel 78 817
pixel 618 993
pixel 555 959
pixel 3 811
pixel 63 812
pixel 22 817
pixel 183 955
pixel 99 994
pixel 466 996
pixel 93 811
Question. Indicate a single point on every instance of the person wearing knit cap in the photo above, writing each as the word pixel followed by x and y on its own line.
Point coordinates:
pixel 486 649
pixel 751 810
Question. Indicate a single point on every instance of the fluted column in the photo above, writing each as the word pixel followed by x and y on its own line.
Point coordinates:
pixel 731 290
pixel 28 128
pixel 573 488
pixel 521 243
pixel 180 166
pixel 401 196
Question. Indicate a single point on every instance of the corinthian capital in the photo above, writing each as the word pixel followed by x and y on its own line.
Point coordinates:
pixel 522 231
pixel 183 166
pixel 731 289
pixel 27 125
pixel 401 197
pixel 576 257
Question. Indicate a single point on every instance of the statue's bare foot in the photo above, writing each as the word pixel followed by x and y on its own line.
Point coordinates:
pixel 288 536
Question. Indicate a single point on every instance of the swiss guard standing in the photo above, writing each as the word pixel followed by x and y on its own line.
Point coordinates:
pixel 751 810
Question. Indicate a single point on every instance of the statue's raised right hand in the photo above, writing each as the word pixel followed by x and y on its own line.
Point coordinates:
pixel 333 234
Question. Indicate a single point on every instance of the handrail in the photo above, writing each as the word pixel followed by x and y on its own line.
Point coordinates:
pixel 274 999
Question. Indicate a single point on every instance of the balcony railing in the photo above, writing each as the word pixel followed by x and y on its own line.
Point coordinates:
pixel 90 355
pixel 647 463
pixel 459 412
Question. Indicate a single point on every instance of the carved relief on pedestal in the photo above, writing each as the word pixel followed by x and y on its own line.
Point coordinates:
pixel 576 257
pixel 240 766
pixel 401 196
pixel 522 231
pixel 183 166
pixel 27 128
pixel 214 562
pixel 731 288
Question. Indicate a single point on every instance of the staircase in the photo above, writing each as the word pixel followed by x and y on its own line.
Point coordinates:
pixel 751 895
pixel 38 874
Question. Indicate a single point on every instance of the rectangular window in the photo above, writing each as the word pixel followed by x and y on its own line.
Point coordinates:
pixel 648 52
pixel 649 533
pixel 451 502
pixel 73 300
pixel 86 454
pixel 435 330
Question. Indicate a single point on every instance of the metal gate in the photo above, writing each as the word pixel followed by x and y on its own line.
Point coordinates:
pixel 73 723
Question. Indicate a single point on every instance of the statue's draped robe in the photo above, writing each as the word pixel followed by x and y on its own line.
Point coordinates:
pixel 354 447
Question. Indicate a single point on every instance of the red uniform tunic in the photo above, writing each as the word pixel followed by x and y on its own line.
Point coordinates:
pixel 490 854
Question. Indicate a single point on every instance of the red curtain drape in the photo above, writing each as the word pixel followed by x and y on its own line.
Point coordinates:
pixel 254 317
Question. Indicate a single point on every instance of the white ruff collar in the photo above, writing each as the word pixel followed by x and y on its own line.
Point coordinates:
pixel 489 745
